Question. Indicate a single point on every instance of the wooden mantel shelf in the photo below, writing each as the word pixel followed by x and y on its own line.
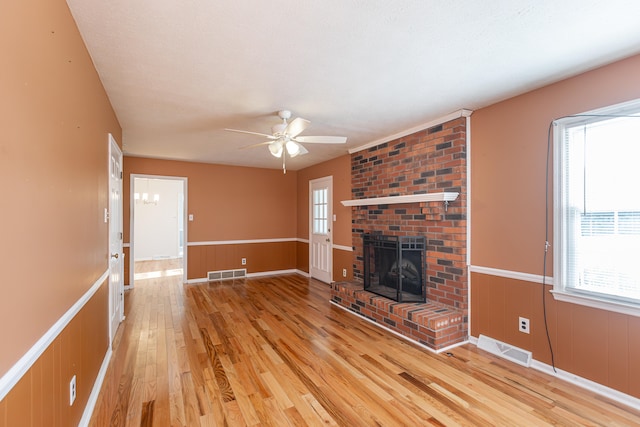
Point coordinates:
pixel 410 198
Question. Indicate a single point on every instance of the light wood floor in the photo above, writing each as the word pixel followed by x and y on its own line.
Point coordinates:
pixel 273 352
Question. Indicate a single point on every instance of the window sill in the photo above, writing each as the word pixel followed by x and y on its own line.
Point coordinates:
pixel 594 302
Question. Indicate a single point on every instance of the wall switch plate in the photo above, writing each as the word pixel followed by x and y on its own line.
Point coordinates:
pixel 72 390
pixel 523 325
pixel 190 217
pixel 244 261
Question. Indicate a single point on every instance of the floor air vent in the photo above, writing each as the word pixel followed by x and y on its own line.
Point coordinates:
pixel 226 274
pixel 514 354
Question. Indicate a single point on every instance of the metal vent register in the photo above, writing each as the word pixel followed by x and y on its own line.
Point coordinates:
pixel 213 276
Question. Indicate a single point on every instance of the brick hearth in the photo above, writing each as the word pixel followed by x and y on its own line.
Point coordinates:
pixel 431 324
pixel 429 161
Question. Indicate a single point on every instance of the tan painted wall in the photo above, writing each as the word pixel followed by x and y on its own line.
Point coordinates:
pixel 53 161
pixel 229 203
pixel 55 119
pixel 261 204
pixel 340 169
pixel 508 150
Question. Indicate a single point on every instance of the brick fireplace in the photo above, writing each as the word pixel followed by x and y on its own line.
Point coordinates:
pixel 427 162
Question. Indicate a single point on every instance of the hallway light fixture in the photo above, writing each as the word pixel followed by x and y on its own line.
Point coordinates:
pixel 144 199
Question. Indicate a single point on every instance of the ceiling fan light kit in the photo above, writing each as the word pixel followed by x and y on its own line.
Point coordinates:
pixel 292 148
pixel 285 136
pixel 275 149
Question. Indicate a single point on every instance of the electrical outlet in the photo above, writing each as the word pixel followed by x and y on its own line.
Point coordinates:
pixel 523 325
pixel 244 261
pixel 344 272
pixel 72 390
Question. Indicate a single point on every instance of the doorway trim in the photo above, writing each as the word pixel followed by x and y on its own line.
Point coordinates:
pixel 132 204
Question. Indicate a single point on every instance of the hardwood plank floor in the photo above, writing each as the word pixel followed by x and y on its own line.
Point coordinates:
pixel 273 352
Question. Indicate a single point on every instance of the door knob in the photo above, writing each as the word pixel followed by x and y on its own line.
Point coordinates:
pixel 328 240
pixel 114 255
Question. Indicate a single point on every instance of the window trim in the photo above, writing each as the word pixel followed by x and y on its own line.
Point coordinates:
pixel 560 291
pixel 590 300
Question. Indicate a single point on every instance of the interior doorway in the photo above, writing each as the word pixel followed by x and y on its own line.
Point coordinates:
pixel 158 232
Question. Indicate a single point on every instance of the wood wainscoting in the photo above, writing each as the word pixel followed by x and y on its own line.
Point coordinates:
pixel 41 396
pixel 260 256
pixel 599 345
pixel 274 351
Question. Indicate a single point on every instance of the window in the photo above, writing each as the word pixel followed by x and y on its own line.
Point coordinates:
pixel 320 220
pixel 597 207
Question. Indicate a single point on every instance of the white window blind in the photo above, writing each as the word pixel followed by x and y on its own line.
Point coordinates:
pixel 598 158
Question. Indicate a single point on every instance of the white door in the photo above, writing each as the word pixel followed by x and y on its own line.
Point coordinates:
pixel 320 250
pixel 116 266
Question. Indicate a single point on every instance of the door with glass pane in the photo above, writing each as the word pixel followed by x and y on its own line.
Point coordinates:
pixel 320 247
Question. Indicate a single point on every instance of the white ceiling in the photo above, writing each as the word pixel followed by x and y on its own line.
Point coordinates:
pixel 179 72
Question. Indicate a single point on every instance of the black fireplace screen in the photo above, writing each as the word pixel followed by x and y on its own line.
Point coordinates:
pixel 394 266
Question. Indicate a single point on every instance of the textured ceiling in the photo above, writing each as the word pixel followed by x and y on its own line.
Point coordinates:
pixel 178 73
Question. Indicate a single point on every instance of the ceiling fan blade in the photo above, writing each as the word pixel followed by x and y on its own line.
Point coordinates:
pixel 252 133
pixel 322 139
pixel 296 127
pixel 256 145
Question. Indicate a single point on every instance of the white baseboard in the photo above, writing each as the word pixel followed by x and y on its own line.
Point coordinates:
pixel 595 387
pixel 270 273
pixel 303 273
pixel 258 274
pixel 95 391
pixel 592 386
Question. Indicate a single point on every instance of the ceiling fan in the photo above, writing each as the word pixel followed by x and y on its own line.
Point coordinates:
pixel 286 137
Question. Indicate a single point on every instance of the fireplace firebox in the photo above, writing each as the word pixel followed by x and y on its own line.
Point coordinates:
pixel 394 266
